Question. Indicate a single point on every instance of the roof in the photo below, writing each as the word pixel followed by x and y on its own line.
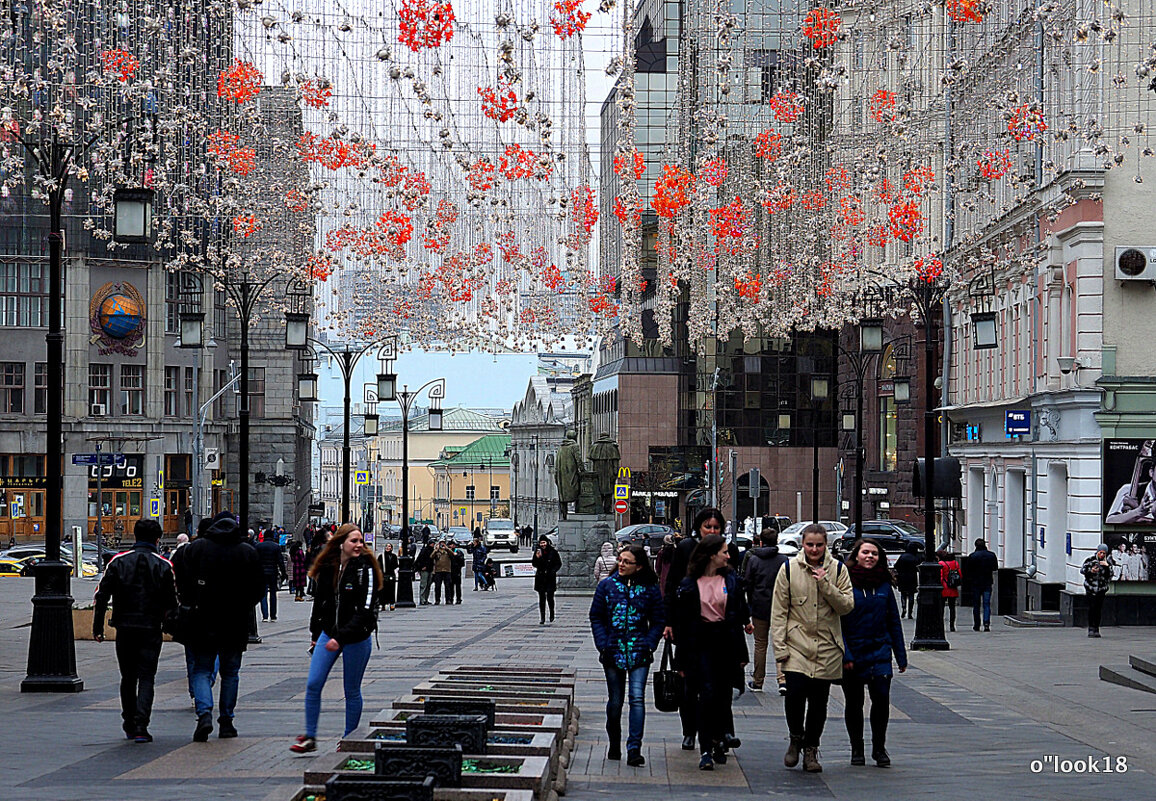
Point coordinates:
pixel 490 450
pixel 456 418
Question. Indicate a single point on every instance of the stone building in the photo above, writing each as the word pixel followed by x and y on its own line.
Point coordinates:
pixel 537 427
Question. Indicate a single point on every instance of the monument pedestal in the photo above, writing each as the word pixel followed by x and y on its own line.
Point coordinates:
pixel 580 539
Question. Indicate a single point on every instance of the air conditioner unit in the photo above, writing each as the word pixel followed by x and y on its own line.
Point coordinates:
pixel 212 458
pixel 97 410
pixel 1136 263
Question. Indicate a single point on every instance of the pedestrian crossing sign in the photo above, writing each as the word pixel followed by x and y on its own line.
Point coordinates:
pixel 360 476
pixel 622 492
pixel 154 507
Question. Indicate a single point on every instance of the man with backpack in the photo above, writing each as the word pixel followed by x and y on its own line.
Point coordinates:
pixel 760 569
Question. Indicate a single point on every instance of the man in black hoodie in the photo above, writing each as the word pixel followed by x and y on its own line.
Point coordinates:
pixel 759 571
pixel 140 584
pixel 219 577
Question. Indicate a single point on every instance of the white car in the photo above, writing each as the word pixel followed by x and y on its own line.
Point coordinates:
pixel 500 533
pixel 792 535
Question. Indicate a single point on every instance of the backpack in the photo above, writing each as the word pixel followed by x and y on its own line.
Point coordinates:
pixel 954 579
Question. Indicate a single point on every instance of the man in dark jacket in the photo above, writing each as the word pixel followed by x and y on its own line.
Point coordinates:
pixel 273 566
pixel 759 572
pixel 424 565
pixel 142 589
pixel 219 578
pixel 980 571
pixel 907 577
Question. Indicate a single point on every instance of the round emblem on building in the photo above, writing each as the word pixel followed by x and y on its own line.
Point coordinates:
pixel 117 318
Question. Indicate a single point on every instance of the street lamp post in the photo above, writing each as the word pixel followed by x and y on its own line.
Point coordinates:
pixel 870 345
pixel 536 471
pixel 819 391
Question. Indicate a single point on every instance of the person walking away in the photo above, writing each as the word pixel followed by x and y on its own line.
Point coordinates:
pixel 951 578
pixel 388 562
pixel 762 566
pixel 662 562
pixel 706 523
pixel 457 565
pixel 347 578
pixel 812 591
pixel 980 572
pixel 478 551
pixel 273 566
pixel 142 589
pixel 297 571
pixel 710 618
pixel 219 577
pixel 424 566
pixel 1097 572
pixel 605 563
pixel 907 578
pixel 443 562
pixel 627 619
pixel 546 564
pixel 872 632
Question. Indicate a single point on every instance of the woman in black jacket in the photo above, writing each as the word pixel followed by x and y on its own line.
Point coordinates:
pixel 710 616
pixel 388 562
pixel 346 578
pixel 546 563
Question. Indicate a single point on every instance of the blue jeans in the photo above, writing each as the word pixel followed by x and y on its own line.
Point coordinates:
pixel 269 599
pixel 356 658
pixel 190 662
pixel 983 596
pixel 480 578
pixel 204 661
pixel 616 689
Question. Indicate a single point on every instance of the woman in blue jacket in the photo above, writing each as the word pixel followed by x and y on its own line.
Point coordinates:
pixel 627 619
pixel 872 632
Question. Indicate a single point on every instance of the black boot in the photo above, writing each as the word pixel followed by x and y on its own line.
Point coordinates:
pixel 880 755
pixel 634 758
pixel 857 757
pixel 204 729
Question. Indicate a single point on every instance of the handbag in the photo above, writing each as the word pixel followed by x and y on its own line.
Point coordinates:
pixel 179 624
pixel 667 684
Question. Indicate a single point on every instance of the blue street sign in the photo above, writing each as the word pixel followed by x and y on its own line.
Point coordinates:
pixel 1017 423
pixel 104 459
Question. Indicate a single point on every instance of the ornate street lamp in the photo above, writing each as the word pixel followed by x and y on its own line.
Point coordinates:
pixel 370 425
pixel 307 387
pixel 985 330
pixel 820 388
pixel 132 215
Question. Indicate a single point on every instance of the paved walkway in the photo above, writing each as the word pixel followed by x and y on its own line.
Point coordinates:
pixel 965 724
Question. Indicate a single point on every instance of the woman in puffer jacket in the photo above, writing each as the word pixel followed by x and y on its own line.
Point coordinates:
pixel 812 590
pixel 872 632
pixel 606 562
pixel 627 619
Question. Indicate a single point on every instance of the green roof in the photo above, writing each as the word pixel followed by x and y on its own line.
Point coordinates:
pixel 492 449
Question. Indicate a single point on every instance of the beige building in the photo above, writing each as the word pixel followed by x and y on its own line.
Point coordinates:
pixel 473 483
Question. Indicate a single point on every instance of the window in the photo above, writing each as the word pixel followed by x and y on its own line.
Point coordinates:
pixel 173 306
pixel 495 493
pixel 41 395
pixel 11 387
pixel 888 414
pixel 132 389
pixel 189 389
pixel 172 398
pixel 99 388
pixel 24 295
pixel 219 331
pixel 219 408
pixel 256 391
pixel 471 492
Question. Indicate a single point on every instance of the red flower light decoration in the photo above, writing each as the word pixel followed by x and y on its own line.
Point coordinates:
pixel 821 26
pixel 630 161
pixel 813 200
pixel 1026 122
pixel 601 304
pixel 397 230
pixel 241 82
pixel 768 145
pixel 995 164
pixel 928 268
pixel 884 191
pixel 584 210
pixel 672 191
pixel 786 106
pixel 436 236
pixel 729 225
pixel 568 18
pixel 916 181
pixel 120 63
pixel 965 10
pixel 552 277
pixel 315 94
pixel 319 267
pixel 713 172
pixel 879 235
pixel 621 212
pixel 499 104
pixel 838 179
pixel 508 247
pixel 851 211
pixel 780 198
pixel 882 106
pixel 295 200
pixel 522 162
pixel 333 153
pixel 750 288
pixel 223 147
pixel 906 221
pixel 480 176
pixel 424 24
pixel 246 224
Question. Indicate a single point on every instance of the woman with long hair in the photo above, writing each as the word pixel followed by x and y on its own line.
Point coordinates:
pixel 872 632
pixel 627 618
pixel 709 620
pixel 345 578
pixel 812 591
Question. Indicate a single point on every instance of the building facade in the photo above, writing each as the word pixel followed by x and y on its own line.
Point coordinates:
pixel 473 483
pixel 538 425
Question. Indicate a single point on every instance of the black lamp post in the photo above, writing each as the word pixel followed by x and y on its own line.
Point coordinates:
pixel 820 388
pixel 387 391
pixel 536 470
pixel 870 346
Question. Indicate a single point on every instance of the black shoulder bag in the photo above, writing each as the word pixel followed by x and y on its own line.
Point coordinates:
pixel 667 684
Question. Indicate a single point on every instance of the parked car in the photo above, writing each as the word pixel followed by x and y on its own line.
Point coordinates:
pixel 894 536
pixel 460 534
pixel 500 533
pixel 648 535
pixel 11 567
pixel 793 534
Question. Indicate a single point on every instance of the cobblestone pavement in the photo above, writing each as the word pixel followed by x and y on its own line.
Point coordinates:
pixel 966 723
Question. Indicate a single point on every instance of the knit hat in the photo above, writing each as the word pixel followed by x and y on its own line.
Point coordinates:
pixel 1103 546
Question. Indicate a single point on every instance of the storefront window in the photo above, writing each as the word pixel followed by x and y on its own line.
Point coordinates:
pixel 888 414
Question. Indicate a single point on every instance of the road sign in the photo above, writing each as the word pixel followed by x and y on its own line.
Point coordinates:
pixel 154 507
pixel 756 484
pixel 104 459
pixel 620 506
pixel 360 476
pixel 622 492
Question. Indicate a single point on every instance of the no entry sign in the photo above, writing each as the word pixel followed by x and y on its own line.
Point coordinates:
pixel 620 507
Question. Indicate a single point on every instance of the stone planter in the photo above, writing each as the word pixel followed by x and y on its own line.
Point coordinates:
pixel 529 773
pixel 317 793
pixel 523 721
pixel 82 625
pixel 499 742
pixel 479 690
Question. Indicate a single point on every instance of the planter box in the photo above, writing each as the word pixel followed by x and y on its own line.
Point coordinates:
pixel 523 721
pixel 502 679
pixel 496 692
pixel 499 742
pixel 530 775
pixel 317 793
pixel 517 705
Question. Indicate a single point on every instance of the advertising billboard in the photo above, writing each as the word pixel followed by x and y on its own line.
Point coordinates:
pixel 1129 492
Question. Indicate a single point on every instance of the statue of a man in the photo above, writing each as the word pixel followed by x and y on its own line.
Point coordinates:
pixel 567 466
pixel 605 456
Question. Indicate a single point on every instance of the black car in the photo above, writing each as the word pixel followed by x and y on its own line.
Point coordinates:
pixel 894 536
pixel 644 534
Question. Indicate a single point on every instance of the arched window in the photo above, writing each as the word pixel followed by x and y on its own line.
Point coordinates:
pixel 888 415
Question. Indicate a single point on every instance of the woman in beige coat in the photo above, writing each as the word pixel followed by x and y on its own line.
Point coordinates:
pixel 812 591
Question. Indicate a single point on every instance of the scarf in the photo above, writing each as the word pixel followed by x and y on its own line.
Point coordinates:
pixel 864 578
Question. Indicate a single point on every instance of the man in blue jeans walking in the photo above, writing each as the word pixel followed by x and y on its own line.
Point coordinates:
pixel 979 572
